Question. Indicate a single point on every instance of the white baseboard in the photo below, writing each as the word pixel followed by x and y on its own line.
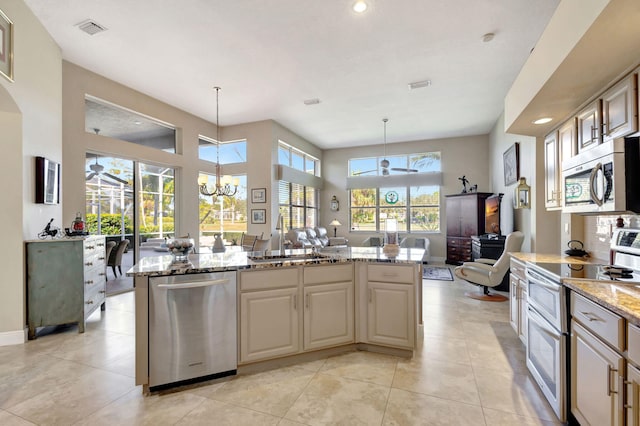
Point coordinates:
pixel 17 337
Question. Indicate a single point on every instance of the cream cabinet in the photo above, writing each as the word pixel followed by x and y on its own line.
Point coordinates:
pixel 269 324
pixel 518 299
pixel 66 281
pixel 596 372
pixel 270 313
pixel 633 395
pixel 597 364
pixel 390 309
pixel 329 315
pixel 620 109
pixel 552 172
pixel 589 126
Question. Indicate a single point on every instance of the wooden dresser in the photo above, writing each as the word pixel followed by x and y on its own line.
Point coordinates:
pixel 66 281
pixel 465 217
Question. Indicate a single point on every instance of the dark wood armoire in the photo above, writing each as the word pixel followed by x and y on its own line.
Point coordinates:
pixel 465 217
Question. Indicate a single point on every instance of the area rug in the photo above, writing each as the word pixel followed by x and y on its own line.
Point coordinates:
pixel 437 273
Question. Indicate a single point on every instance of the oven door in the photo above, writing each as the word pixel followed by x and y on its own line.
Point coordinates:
pixel 546 360
pixel 548 298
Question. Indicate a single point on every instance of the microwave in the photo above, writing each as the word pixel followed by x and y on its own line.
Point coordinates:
pixel 603 179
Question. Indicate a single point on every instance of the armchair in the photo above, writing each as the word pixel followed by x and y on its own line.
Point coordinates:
pixel 489 272
pixel 328 241
pixel 413 242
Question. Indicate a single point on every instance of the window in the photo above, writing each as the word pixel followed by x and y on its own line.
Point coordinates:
pixel 410 193
pixel 296 159
pixel 298 205
pixel 223 215
pixel 230 152
pixel 157 200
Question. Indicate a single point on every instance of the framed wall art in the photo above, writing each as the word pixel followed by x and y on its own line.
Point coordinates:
pixel 259 216
pixel 6 46
pixel 511 161
pixel 259 195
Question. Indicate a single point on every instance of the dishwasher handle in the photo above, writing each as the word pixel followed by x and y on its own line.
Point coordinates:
pixel 193 284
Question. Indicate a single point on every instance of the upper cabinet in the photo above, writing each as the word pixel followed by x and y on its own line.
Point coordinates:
pixel 552 172
pixel 589 126
pixel 620 109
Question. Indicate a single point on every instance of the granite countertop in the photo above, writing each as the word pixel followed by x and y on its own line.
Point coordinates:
pixel 620 297
pixel 233 259
pixel 556 258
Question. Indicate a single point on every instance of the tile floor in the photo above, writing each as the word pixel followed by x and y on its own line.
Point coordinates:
pixel 470 371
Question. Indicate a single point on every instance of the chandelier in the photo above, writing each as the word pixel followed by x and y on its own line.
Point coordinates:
pixel 223 183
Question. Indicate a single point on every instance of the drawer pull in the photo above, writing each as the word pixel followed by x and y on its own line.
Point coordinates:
pixel 370 295
pixel 307 301
pixel 88 264
pixel 295 302
pixel 90 247
pixel 609 371
pixel 100 244
pixel 89 302
pixel 101 258
pixel 89 282
pixel 591 316
pixel 389 274
pixel 102 274
pixel 102 291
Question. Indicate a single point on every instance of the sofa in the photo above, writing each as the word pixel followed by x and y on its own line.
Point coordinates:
pixel 313 237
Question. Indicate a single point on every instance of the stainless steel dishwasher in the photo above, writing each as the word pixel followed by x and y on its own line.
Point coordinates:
pixel 192 328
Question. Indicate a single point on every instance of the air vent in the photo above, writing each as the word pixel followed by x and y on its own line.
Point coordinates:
pixel 314 101
pixel 90 27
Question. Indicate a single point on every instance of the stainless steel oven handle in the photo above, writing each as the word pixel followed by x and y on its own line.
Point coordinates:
pixel 592 183
pixel 192 285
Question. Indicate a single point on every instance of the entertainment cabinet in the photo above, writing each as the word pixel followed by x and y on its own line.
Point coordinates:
pixel 465 214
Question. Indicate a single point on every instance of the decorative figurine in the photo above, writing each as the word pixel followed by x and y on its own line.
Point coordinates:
pixel 465 181
pixel 49 231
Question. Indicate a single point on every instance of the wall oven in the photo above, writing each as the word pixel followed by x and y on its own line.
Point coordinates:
pixel 602 179
pixel 547 337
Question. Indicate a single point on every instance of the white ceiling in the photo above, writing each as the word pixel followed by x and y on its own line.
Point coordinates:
pixel 270 56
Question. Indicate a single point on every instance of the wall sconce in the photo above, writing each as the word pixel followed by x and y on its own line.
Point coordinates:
pixel 522 196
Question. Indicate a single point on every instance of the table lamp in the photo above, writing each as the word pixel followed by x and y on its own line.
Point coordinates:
pixel 335 224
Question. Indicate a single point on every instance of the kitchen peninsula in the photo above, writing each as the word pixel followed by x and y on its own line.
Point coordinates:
pixel 293 306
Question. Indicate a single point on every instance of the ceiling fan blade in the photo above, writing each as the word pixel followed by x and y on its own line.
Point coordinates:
pixel 90 176
pixel 117 179
pixel 402 169
pixel 364 172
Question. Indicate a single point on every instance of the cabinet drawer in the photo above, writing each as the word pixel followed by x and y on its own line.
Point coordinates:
pixel 633 343
pixel 328 274
pixel 609 326
pixel 262 279
pixel 518 269
pixel 390 274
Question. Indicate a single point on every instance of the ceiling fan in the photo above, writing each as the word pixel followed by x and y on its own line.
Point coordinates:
pixel 384 163
pixel 98 169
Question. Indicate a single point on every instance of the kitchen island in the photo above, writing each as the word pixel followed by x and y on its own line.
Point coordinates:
pixel 301 305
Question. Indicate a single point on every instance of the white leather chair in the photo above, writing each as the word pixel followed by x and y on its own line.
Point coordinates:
pixel 489 272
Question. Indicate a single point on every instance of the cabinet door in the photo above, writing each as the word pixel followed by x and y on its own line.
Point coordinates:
pixel 552 171
pixel 514 305
pixel 522 311
pixel 567 139
pixel 328 315
pixel 390 312
pixel 469 220
pixel 453 216
pixel 595 379
pixel 633 396
pixel 268 324
pixel 620 109
pixel 589 132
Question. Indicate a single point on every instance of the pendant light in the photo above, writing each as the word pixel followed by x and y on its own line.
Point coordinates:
pixel 384 163
pixel 223 183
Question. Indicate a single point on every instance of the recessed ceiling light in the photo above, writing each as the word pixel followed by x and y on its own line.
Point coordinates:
pixel 313 101
pixel 419 84
pixel 359 6
pixel 543 120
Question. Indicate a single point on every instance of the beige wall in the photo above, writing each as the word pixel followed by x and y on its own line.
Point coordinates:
pixel 30 119
pixel 467 156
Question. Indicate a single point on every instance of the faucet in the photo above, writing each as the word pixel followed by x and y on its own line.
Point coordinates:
pixel 280 229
